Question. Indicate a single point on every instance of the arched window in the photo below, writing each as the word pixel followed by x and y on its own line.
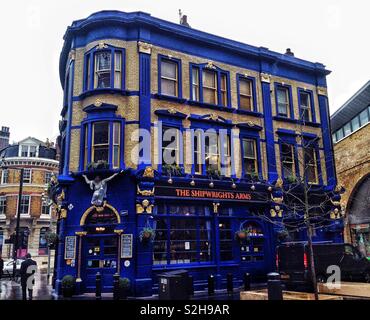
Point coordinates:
pixel 359 216
pixel 105 217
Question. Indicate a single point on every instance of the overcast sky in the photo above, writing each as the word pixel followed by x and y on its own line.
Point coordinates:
pixel 333 32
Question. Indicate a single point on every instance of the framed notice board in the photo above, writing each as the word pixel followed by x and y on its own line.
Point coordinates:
pixel 126 246
pixel 70 248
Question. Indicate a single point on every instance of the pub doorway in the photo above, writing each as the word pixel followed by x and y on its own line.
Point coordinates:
pixel 100 248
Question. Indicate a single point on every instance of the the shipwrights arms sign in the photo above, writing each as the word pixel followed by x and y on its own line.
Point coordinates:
pixel 202 193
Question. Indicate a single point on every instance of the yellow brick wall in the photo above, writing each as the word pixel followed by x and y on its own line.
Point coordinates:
pixel 128 107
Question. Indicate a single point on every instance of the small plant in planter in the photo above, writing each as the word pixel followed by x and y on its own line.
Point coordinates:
pixel 147 234
pixel 213 173
pixel 291 179
pixel 242 234
pixel 282 235
pixel 172 170
pixel 68 286
pixel 52 239
pixel 124 287
pixel 99 165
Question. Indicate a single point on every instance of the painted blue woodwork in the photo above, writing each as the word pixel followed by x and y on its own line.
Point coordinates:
pixel 269 132
pixel 128 26
pixel 123 190
pixel 144 101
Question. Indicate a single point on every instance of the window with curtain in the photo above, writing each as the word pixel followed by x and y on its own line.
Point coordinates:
pixel 170 145
pixel 305 107
pixel 2 204
pixel 310 165
pixel 245 94
pixel 195 83
pixel 169 78
pixel 287 160
pixel 103 69
pixel 250 163
pixel 117 69
pixel 210 87
pixel 283 101
pixel 105 143
pixel 223 89
pixel 183 235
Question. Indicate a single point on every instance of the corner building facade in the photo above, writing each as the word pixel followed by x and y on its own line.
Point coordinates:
pixel 127 71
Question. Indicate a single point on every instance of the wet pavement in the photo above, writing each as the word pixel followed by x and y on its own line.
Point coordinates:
pixel 11 290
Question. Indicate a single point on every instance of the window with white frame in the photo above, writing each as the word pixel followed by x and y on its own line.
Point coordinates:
pixel 48 175
pixel 169 78
pixel 45 208
pixel 28 151
pixel 223 89
pixel 25 204
pixel 4 176
pixel 283 101
pixel 305 106
pixel 27 176
pixel 2 204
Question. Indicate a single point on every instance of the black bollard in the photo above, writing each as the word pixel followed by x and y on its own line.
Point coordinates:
pixel 191 286
pixel 247 281
pixel 211 285
pixel 98 286
pixel 116 286
pixel 229 283
pixel 274 289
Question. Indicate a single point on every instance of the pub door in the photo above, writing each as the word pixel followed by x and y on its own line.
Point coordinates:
pixel 99 255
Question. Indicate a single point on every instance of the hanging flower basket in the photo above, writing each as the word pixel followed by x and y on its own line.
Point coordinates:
pixel 242 235
pixel 147 234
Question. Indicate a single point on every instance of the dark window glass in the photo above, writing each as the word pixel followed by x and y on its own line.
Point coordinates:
pixel 101 141
pixel 305 106
pixel 287 159
pixel 249 156
pixel 226 240
pixel 310 165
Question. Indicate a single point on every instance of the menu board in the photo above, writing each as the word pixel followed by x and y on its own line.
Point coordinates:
pixel 70 248
pixel 126 246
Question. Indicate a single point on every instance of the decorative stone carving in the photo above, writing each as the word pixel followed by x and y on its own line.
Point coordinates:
pixel 145 193
pixel 148 172
pixel 210 65
pixel 98 103
pixel 72 55
pixel 322 91
pixel 265 77
pixel 101 46
pixel 144 47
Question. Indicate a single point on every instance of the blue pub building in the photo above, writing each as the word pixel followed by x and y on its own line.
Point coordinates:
pixel 249 132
